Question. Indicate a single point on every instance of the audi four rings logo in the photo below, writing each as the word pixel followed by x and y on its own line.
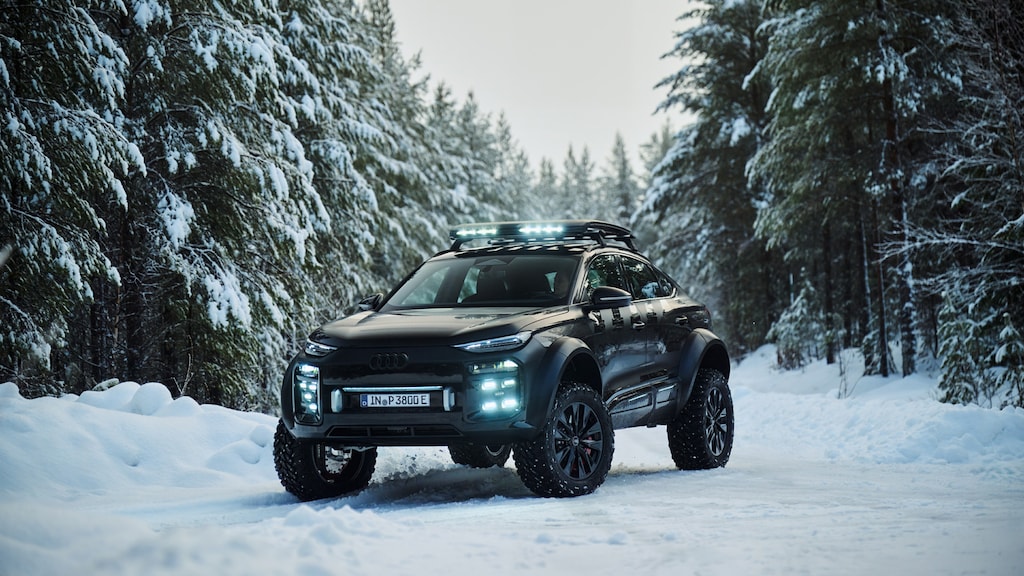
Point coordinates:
pixel 389 361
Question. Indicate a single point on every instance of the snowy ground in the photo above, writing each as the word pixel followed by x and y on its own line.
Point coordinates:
pixel 887 481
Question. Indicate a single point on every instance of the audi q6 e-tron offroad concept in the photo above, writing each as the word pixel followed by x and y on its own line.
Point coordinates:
pixel 531 339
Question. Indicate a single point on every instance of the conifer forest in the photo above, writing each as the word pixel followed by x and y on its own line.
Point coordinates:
pixel 188 188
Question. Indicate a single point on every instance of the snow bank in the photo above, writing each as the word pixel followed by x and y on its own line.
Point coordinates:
pixel 882 420
pixel 127 436
pixel 128 480
pixel 132 435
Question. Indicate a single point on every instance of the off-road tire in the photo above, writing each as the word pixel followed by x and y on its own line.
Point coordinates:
pixel 480 455
pixel 573 453
pixel 303 468
pixel 700 436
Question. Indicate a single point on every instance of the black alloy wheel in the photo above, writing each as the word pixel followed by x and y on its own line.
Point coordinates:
pixel 573 453
pixel 701 435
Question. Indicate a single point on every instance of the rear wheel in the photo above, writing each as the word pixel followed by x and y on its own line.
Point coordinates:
pixel 480 455
pixel 314 470
pixel 700 436
pixel 573 453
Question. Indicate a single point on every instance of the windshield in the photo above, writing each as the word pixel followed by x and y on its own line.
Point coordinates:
pixel 503 280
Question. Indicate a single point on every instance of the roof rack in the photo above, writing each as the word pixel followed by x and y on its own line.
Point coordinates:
pixel 542 231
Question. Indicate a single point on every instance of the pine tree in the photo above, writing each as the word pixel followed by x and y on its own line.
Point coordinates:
pixel 795 332
pixel 578 197
pixel 216 253
pixel 699 207
pixel 977 238
pixel 409 206
pixel 63 166
pixel 513 177
pixel 618 185
pixel 654 151
pixel 546 191
pixel 1009 356
pixel 846 150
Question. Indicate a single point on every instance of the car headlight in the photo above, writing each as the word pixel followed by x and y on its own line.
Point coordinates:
pixel 317 349
pixel 496 344
pixel 306 394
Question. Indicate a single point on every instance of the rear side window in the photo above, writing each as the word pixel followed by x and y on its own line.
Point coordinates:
pixel 645 282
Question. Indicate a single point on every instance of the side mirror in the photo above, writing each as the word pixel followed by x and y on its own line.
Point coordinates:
pixel 605 297
pixel 370 303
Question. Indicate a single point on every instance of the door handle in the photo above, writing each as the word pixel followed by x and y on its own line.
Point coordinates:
pixel 682 321
pixel 639 325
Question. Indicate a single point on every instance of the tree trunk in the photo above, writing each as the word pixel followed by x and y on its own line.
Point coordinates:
pixel 892 161
pixel 879 295
pixel 830 333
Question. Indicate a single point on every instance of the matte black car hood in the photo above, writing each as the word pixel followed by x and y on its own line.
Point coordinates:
pixel 438 325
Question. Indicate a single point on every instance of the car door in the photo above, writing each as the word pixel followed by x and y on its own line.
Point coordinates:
pixel 666 315
pixel 618 340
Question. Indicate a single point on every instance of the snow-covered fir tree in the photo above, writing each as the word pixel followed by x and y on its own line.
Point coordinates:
pixel 190 188
pixel 64 165
pixel 977 236
pixel 699 207
pixel 618 186
pixel 577 194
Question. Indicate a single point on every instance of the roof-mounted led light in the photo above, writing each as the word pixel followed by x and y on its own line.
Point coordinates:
pixel 542 230
pixel 476 232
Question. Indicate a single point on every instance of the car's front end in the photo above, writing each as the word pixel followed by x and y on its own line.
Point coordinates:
pixel 410 388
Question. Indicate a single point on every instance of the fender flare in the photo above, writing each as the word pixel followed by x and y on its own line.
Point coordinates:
pixel 287 412
pixel 563 356
pixel 702 349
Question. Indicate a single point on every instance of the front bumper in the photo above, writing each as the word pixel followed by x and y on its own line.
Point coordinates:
pixel 460 389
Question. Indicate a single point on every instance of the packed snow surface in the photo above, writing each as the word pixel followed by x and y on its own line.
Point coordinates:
pixel 884 481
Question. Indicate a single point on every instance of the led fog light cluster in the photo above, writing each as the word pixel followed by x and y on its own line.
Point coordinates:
pixel 495 387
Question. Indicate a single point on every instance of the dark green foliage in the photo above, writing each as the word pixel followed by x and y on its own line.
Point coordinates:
pixel 190 187
pixel 63 163
pixel 700 207
pixel 978 233
pixel 875 148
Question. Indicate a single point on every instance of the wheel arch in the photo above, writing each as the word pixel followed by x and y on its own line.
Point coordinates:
pixel 566 359
pixel 287 411
pixel 702 349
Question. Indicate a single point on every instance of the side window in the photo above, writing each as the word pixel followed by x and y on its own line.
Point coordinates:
pixel 604 271
pixel 645 281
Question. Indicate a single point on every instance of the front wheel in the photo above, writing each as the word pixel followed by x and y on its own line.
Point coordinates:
pixel 573 453
pixel 314 470
pixel 700 436
pixel 480 455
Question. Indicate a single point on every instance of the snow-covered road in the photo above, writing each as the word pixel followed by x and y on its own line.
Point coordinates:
pixel 889 481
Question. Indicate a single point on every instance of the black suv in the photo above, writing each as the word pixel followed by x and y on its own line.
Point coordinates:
pixel 535 339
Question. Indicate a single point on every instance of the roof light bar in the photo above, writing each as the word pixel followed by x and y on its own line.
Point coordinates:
pixel 557 230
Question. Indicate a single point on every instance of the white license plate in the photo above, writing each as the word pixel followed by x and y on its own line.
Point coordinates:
pixel 413 400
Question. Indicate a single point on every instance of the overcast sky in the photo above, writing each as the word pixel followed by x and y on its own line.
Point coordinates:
pixel 565 72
